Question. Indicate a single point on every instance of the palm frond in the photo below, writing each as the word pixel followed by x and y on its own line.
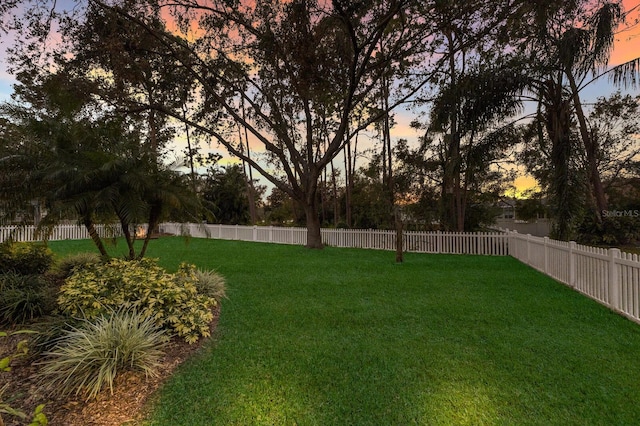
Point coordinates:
pixel 626 74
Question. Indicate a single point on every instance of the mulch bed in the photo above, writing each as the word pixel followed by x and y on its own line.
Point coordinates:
pixel 125 406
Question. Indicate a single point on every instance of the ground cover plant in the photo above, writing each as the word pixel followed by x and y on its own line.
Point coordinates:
pixel 102 322
pixel 345 336
pixel 87 358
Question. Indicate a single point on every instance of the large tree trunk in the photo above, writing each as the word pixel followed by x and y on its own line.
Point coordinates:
pixel 399 235
pixel 558 122
pixel 314 237
pixel 336 207
pixel 450 191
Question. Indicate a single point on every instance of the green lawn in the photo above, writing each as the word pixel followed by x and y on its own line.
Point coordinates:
pixel 347 337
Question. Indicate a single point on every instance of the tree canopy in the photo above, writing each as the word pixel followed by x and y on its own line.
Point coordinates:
pixel 288 86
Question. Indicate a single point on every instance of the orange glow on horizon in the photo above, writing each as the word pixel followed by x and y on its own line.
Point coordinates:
pixel 523 184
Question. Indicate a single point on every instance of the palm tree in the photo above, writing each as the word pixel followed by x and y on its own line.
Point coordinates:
pixel 87 168
pixel 582 53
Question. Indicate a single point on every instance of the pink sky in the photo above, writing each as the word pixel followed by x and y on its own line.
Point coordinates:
pixel 626 48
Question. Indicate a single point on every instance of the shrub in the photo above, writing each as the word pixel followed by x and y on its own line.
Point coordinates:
pixel 171 300
pixel 24 297
pixel 64 267
pixel 211 284
pixel 49 329
pixel 25 258
pixel 89 357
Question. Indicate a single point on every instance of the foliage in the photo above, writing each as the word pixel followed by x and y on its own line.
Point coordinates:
pixel 615 124
pixel 89 357
pixel 171 300
pixel 211 284
pixel 48 330
pixel 88 166
pixel 24 297
pixel 613 231
pixel 532 207
pixel 38 418
pixel 25 258
pixel 227 190
pixel 281 209
pixel 63 268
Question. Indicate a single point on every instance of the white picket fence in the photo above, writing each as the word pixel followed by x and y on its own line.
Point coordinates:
pixel 606 275
pixel 493 243
pixel 60 232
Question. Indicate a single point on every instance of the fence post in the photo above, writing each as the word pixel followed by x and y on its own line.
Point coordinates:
pixel 528 249
pixel 572 264
pixel 255 233
pixel 439 242
pixel 614 282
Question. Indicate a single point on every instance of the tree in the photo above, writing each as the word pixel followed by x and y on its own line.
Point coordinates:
pixel 615 126
pixel 467 134
pixel 226 190
pixel 286 67
pixel 577 39
pixel 86 165
pixel 475 90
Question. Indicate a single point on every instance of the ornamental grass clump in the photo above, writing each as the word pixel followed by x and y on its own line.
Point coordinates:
pixel 24 298
pixel 66 266
pixel 211 284
pixel 90 356
pixel 172 301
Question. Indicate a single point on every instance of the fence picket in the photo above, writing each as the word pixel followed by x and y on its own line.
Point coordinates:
pixel 606 275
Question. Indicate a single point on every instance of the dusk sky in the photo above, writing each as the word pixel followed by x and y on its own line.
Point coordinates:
pixel 627 47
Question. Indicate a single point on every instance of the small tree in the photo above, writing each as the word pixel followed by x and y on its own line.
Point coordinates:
pixel 85 165
pixel 226 191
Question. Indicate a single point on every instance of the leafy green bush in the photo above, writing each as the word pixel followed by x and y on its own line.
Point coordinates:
pixel 89 357
pixel 211 284
pixel 171 300
pixel 25 258
pixel 612 231
pixel 64 267
pixel 24 297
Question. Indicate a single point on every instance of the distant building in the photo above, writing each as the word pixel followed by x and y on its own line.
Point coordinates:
pixel 508 219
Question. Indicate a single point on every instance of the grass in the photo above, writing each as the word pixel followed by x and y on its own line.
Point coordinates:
pixel 347 337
